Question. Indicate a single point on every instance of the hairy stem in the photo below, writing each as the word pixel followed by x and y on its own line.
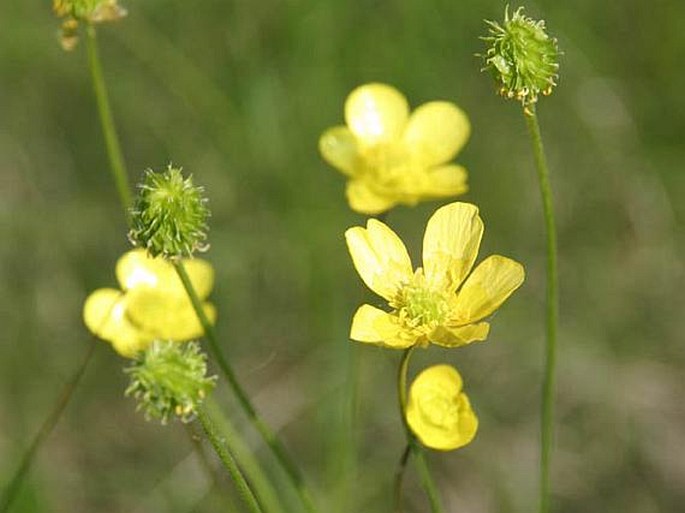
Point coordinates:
pixel 10 493
pixel 552 311
pixel 413 445
pixel 220 445
pixel 116 159
pixel 267 435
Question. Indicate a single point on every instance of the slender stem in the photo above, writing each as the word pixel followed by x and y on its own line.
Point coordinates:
pixel 399 477
pixel 116 159
pixel 416 449
pixel 10 493
pixel 251 466
pixel 221 448
pixel 267 435
pixel 552 313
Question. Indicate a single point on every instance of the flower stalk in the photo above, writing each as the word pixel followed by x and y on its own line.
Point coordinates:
pixel 114 153
pixel 552 310
pixel 10 493
pixel 223 452
pixel 413 446
pixel 267 435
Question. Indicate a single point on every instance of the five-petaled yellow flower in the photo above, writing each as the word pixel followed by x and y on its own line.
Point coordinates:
pixel 392 157
pixel 153 304
pixel 438 412
pixel 437 303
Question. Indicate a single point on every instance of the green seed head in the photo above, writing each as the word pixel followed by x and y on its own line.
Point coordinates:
pixel 169 217
pixel 522 58
pixel 169 379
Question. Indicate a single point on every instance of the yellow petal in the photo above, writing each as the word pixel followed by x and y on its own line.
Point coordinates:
pixel 374 326
pixel 166 316
pixel 104 313
pixel 490 284
pixel 380 257
pixel 444 181
pixel 201 275
pixel 438 412
pixel 435 132
pixel 459 336
pixel 450 245
pixel 338 146
pixel 376 113
pixel 137 269
pixel 364 200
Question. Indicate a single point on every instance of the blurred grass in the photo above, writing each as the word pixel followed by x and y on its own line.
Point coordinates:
pixel 238 92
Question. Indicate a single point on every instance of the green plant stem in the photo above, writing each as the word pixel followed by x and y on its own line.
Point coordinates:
pixel 221 448
pixel 10 493
pixel 552 311
pixel 116 159
pixel 412 445
pixel 267 435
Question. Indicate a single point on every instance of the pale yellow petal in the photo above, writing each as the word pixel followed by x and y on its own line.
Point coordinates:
pixel 380 257
pixel 104 313
pixel 450 245
pixel 201 275
pixel 137 269
pixel 459 336
pixel 435 132
pixel 374 326
pixel 167 317
pixel 444 182
pixel 338 146
pixel 490 284
pixel 438 412
pixel 364 200
pixel 376 113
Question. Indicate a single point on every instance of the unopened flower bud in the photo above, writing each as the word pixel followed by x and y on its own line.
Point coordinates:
pixel 169 216
pixel 522 58
pixel 169 379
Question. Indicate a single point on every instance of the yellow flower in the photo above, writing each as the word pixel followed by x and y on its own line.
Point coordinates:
pixel 392 157
pixel 437 303
pixel 438 412
pixel 153 304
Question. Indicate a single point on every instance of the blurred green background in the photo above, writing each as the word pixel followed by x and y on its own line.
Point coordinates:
pixel 237 92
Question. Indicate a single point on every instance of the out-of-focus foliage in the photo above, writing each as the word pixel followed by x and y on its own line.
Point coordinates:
pixel 238 92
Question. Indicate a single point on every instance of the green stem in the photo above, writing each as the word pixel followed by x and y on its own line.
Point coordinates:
pixel 116 159
pixel 267 435
pixel 416 449
pixel 552 314
pixel 10 493
pixel 248 462
pixel 221 448
pixel 399 477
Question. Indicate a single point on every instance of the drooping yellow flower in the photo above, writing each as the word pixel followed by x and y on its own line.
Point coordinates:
pixel 438 412
pixel 392 157
pixel 439 303
pixel 152 305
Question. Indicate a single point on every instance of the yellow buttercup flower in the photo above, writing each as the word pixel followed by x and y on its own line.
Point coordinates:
pixel 439 303
pixel 438 412
pixel 393 157
pixel 152 305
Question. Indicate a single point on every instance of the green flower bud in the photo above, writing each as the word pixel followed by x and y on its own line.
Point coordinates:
pixel 169 216
pixel 522 58
pixel 169 379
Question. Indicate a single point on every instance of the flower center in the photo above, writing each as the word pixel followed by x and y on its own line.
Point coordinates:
pixel 419 306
